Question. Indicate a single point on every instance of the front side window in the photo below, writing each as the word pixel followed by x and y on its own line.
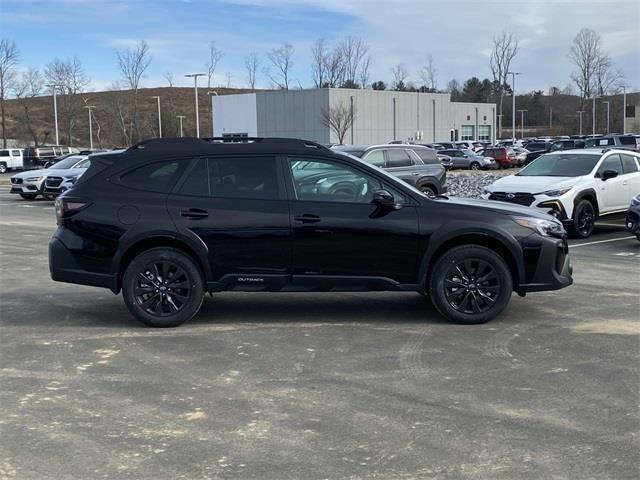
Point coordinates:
pixel 154 177
pixel 15 153
pixel 629 163
pixel 398 157
pixel 612 162
pixel 375 157
pixel 4 153
pixel 324 181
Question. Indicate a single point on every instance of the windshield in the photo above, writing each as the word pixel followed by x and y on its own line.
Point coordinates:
pixel 561 165
pixel 66 163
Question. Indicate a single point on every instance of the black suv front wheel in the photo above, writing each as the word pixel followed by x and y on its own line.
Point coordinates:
pixel 470 284
pixel 163 287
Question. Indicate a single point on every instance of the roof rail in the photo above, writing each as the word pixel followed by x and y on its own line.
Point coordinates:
pixel 163 142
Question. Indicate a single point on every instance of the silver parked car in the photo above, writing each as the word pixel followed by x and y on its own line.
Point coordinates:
pixel 29 184
pixel 469 159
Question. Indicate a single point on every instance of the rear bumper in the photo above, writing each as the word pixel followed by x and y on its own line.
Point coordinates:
pixel 63 267
pixel 553 269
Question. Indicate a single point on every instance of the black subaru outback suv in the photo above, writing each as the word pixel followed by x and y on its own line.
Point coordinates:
pixel 168 220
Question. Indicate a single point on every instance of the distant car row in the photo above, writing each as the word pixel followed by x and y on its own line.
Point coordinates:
pixel 37 157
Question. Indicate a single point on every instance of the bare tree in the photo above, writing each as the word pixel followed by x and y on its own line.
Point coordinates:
pixel 608 79
pixel 428 75
pixel 28 86
pixel 585 53
pixel 9 56
pixel 119 106
pixel 400 75
pixel 229 79
pixel 215 55
pixel 355 53
pixel 319 62
pixel 505 49
pixel 251 63
pixel 363 75
pixel 281 60
pixel 69 79
pixel 339 119
pixel 169 78
pixel 334 68
pixel 132 64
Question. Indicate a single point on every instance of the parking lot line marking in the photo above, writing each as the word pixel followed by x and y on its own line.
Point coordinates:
pixel 600 241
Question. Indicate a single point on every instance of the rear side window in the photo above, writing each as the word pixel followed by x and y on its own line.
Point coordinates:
pixel 427 156
pixel 251 178
pixel 627 140
pixel 398 157
pixel 629 163
pixel 4 153
pixel 154 177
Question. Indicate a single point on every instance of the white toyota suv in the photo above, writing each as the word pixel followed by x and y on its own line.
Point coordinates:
pixel 576 186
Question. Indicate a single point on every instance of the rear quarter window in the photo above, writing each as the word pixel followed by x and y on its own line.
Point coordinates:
pixel 155 177
pixel 627 140
pixel 427 156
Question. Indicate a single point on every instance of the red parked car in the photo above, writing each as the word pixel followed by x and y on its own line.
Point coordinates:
pixel 504 156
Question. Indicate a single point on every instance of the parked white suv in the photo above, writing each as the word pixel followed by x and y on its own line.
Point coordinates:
pixel 30 184
pixel 576 186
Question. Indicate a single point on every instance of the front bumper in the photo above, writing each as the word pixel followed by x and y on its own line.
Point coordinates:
pixel 547 266
pixel 63 267
pixel 27 187
pixel 633 221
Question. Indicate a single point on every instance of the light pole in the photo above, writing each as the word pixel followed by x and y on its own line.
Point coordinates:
pixel 210 93
pixel 159 117
pixel 580 112
pixel 550 119
pixel 513 107
pixel 90 107
pixel 593 120
pixel 55 109
pixel 607 103
pixel 195 88
pixel 624 109
pixel 180 117
pixel 499 117
pixel 522 122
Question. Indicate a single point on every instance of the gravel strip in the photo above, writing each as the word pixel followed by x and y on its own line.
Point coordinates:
pixel 469 183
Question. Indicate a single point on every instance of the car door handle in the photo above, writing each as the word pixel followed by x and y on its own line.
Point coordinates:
pixel 307 218
pixel 194 213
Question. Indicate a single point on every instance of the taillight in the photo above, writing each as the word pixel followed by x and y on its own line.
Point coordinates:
pixel 66 207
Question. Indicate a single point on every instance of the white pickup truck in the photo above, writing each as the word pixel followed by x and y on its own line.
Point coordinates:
pixel 11 158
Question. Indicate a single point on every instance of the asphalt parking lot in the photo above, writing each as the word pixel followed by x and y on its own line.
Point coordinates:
pixel 312 386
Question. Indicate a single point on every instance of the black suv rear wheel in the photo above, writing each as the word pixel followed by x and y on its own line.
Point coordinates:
pixel 163 287
pixel 470 284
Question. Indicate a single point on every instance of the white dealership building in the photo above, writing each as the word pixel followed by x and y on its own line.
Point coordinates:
pixel 380 116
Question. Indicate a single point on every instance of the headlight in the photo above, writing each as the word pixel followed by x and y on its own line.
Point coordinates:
pixel 33 179
pixel 545 228
pixel 556 193
pixel 72 179
pixel 635 201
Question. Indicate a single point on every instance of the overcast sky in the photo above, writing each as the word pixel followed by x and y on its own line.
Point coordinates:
pixel 457 33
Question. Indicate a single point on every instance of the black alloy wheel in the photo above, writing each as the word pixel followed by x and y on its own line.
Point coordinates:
pixel 472 286
pixel 475 166
pixel 427 190
pixel 162 289
pixel 584 219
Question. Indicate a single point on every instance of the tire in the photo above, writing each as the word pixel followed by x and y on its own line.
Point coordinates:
pixel 428 190
pixel 474 166
pixel 172 306
pixel 3 168
pixel 584 217
pixel 29 196
pixel 459 295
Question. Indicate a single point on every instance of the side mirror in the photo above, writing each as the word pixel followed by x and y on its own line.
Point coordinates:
pixel 607 174
pixel 383 198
